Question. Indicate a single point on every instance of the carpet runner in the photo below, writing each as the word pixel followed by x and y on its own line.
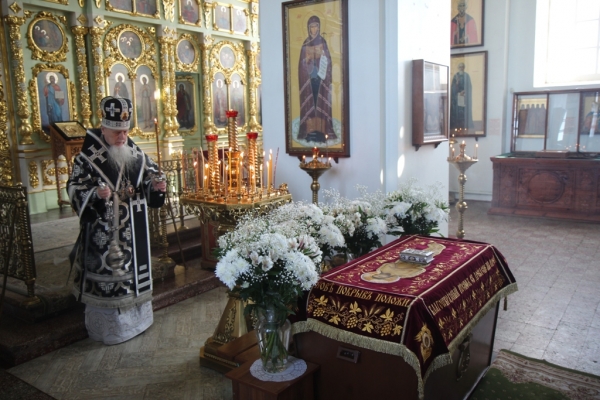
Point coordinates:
pixel 513 376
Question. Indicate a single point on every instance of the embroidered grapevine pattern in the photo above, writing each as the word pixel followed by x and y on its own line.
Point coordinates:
pixel 351 315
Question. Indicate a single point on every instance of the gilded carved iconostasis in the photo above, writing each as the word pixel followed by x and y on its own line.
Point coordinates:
pixel 183 63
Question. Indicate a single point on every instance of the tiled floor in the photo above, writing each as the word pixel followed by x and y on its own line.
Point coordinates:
pixel 555 315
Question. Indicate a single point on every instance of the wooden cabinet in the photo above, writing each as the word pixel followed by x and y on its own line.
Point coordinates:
pixel 542 187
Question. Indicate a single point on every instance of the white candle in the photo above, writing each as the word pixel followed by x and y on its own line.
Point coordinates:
pixel 476 146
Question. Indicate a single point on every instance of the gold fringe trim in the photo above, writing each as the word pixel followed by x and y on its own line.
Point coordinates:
pixel 396 349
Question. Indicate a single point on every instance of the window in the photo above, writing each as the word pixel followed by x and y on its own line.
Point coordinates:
pixel 567 42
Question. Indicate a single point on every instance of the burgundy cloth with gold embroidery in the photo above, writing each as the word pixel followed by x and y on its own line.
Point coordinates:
pixel 422 307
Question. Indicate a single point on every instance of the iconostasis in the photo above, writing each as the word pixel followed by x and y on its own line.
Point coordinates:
pixel 183 63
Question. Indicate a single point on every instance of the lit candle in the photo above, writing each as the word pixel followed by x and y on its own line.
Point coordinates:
pixel 197 167
pixel 326 146
pixel 262 182
pixel 452 149
pixel 303 159
pixel 263 173
pixel 329 161
pixel 157 145
pixel 205 172
pixel 229 162
pixel 476 146
pixel 270 169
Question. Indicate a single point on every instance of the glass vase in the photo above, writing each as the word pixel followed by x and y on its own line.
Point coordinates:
pixel 273 332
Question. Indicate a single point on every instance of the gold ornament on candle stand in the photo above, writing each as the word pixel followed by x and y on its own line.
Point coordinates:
pixel 315 169
pixel 462 162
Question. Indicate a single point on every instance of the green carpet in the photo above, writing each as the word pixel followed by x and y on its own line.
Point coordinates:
pixel 513 376
pixel 13 388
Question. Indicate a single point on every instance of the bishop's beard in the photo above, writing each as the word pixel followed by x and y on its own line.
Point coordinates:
pixel 121 156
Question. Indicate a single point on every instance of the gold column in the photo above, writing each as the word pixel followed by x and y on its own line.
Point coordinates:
pixel 213 164
pixel 173 86
pixel 206 85
pixel 79 32
pixel 166 84
pixel 253 125
pixel 97 35
pixel 25 129
pixel 252 160
pixel 6 163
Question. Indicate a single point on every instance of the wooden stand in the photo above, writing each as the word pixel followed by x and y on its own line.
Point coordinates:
pixel 66 139
pixel 546 187
pixel 247 387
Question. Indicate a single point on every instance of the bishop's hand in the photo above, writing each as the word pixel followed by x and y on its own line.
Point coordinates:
pixel 103 191
pixel 159 184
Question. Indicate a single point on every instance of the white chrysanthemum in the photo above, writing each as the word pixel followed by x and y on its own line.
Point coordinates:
pixel 230 267
pixel 400 208
pixel 376 227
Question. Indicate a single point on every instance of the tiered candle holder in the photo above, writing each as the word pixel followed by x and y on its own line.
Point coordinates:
pixel 315 169
pixel 462 162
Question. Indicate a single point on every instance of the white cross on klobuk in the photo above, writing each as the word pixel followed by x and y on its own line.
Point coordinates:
pixel 97 153
pixel 112 109
pixel 138 202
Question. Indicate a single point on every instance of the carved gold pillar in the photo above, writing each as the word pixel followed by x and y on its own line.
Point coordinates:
pixel 79 33
pixel 209 126
pixel 6 164
pixel 254 17
pixel 252 53
pixel 208 5
pixel 16 47
pixel 97 34
pixel 166 102
pixel 169 8
pixel 173 85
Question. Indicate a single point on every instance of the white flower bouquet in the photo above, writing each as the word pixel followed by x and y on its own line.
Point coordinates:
pixel 415 210
pixel 358 220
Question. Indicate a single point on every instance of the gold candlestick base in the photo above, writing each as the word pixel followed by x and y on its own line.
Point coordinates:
pixel 315 169
pixel 462 164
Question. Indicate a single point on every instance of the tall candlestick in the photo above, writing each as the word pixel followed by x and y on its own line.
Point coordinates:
pixel 157 146
pixel 275 166
pixel 270 170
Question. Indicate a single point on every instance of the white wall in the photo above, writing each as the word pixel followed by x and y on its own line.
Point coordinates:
pixel 384 38
pixel 495 42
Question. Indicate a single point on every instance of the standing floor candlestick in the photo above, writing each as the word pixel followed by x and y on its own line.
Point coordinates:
pixel 462 162
pixel 315 169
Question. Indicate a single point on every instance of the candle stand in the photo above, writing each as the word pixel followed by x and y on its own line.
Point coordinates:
pixel 462 162
pixel 315 169
pixel 226 190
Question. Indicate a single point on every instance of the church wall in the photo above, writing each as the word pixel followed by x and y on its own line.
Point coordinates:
pixel 384 37
pixel 88 44
pixel 495 42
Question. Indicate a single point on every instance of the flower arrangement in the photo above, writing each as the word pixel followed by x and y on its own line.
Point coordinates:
pixel 415 210
pixel 360 223
pixel 270 260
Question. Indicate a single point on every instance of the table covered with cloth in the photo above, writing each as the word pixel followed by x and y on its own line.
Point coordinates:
pixel 418 312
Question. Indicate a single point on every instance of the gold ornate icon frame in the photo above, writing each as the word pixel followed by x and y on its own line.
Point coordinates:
pixel 181 65
pixel 189 79
pixel 35 94
pixel 37 53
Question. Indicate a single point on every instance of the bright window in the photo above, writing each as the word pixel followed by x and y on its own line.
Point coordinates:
pixel 567 42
